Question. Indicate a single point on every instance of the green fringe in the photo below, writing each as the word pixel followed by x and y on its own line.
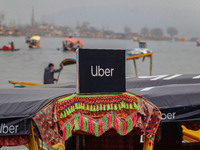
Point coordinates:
pixel 104 107
pixel 115 106
pixel 119 106
pixel 88 108
pixel 105 122
pixel 120 127
pixel 61 115
pixel 111 106
pixel 68 131
pixel 64 116
pixel 83 106
pixel 96 128
pixel 85 124
pixel 127 107
pixel 97 108
pixel 129 125
pixel 113 120
pixel 76 106
pixel 67 112
pixel 135 106
pixel 91 108
pixel 101 107
pixel 76 123
pixel 108 107
pixel 131 106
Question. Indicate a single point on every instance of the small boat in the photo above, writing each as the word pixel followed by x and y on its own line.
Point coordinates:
pixel 9 47
pixel 69 44
pixel 34 41
pixel 198 42
pixel 22 84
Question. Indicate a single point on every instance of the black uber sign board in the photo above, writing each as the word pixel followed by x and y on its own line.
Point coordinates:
pixel 101 71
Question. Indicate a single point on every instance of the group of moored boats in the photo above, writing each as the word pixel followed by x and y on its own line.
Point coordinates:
pixel 69 44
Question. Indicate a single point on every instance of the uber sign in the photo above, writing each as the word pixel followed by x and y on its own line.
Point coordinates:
pixel 101 71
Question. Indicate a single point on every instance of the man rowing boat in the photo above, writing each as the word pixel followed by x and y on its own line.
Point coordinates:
pixel 49 73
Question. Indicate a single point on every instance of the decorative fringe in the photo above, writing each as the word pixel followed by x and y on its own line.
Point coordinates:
pixel 97 108
pixel 97 128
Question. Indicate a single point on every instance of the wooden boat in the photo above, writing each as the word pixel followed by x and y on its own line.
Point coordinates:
pixel 9 50
pixel 198 43
pixel 69 44
pixel 34 42
pixel 177 97
pixel 83 121
pixel 9 47
pixel 22 84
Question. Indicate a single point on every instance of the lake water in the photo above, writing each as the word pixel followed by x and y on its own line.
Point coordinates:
pixel 28 64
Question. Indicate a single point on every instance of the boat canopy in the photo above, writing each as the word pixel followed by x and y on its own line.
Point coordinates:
pixel 69 39
pixel 177 96
pixel 35 37
pixel 18 106
pixel 79 42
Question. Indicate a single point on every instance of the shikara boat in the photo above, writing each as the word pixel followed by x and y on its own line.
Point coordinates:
pixel 69 44
pixel 22 84
pixel 198 43
pixel 80 120
pixel 34 41
pixel 9 47
pixel 177 97
pixel 28 117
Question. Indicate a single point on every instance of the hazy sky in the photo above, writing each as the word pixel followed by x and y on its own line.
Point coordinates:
pixel 110 14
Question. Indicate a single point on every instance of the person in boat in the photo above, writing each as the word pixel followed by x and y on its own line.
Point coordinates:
pixel 49 73
pixel 12 45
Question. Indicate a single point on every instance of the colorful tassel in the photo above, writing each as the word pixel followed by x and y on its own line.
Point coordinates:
pixel 105 122
pixel 88 108
pixel 76 123
pixel 85 124
pixel 96 128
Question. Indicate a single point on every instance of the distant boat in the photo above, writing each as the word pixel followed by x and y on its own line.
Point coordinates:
pixel 69 44
pixel 198 42
pixel 9 47
pixel 34 41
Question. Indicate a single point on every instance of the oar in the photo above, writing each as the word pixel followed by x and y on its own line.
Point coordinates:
pixel 65 62
pixel 58 77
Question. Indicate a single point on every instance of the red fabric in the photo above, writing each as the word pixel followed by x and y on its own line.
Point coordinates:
pixel 101 127
pixel 6 47
pixel 81 123
pixel 124 124
pixel 47 125
pixel 13 140
pixel 90 126
pixel 116 123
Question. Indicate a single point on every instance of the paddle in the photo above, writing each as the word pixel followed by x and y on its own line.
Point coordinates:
pixel 65 62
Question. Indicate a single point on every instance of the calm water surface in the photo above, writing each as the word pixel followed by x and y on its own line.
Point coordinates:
pixel 28 64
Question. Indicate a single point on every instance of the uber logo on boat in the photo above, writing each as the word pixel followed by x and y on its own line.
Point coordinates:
pixel 168 116
pixel 100 71
pixel 6 129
